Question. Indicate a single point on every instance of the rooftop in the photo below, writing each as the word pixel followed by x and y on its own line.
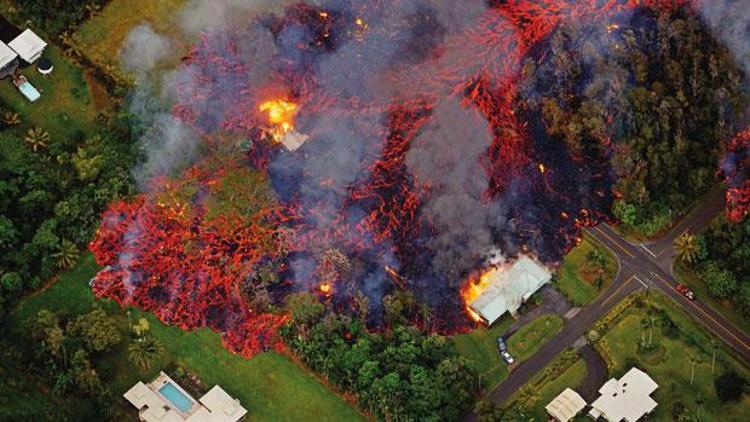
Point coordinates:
pixel 566 405
pixel 625 399
pixel 215 406
pixel 509 288
pixel 28 45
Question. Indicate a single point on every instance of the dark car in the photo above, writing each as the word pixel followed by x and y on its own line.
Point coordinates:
pixel 685 291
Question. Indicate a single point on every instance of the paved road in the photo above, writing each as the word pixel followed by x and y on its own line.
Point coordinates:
pixel 641 267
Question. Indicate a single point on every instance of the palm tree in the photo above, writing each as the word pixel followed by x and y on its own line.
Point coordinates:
pixel 11 119
pixel 37 138
pixel 66 255
pixel 686 247
pixel 143 351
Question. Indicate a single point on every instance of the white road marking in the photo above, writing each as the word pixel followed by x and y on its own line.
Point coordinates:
pixel 647 250
pixel 640 281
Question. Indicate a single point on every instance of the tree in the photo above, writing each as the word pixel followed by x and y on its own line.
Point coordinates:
pixel 97 329
pixel 721 283
pixel 625 212
pixel 687 248
pixel 66 254
pixel 11 118
pixel 729 386
pixel 37 138
pixel 143 351
pixel 141 327
pixel 304 308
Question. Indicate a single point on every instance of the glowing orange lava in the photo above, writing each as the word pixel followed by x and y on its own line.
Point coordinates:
pixel 325 288
pixel 280 115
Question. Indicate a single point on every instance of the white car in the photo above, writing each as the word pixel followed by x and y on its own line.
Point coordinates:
pixel 506 357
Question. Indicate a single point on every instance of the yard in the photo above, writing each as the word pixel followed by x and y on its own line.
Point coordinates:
pixel 690 278
pixel 578 275
pixel 676 349
pixel 66 106
pixel 269 385
pixel 547 384
pixel 480 345
pixel 101 37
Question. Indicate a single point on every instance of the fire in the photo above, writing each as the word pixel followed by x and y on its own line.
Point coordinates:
pixel 611 27
pixel 474 288
pixel 280 115
pixel 541 168
pixel 325 288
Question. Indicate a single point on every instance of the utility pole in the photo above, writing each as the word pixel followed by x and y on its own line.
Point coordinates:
pixel 692 370
pixel 713 358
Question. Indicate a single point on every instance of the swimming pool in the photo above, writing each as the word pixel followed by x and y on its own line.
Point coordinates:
pixel 177 397
pixel 29 91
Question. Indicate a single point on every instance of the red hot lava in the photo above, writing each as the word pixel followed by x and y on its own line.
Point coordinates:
pixel 364 82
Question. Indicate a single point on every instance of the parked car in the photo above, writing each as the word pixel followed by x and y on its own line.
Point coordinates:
pixel 503 349
pixel 685 291
pixel 506 357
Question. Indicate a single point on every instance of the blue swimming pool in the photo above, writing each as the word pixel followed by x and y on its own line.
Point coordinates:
pixel 177 397
pixel 29 91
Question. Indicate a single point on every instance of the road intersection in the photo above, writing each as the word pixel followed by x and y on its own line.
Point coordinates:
pixel 641 267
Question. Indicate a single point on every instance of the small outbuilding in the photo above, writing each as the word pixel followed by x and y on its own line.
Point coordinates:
pixel 29 46
pixel 565 406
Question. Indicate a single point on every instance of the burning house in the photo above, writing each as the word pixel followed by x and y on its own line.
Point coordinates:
pixel 506 288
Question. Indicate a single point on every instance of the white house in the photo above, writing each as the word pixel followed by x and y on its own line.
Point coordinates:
pixel 28 45
pixel 628 398
pixel 163 400
pixel 8 60
pixel 509 287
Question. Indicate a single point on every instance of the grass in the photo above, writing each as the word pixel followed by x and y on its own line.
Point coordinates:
pixel 576 277
pixel 269 385
pixel 66 105
pixel 480 348
pixel 529 338
pixel 480 345
pixel 542 388
pixel 690 278
pixel 669 363
pixel 100 38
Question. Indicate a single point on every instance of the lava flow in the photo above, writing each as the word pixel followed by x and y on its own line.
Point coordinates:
pixel 736 169
pixel 418 164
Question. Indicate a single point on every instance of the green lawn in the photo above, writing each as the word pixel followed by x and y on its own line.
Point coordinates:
pixel 480 345
pixel 544 387
pixel 101 37
pixel 529 338
pixel 691 278
pixel 269 385
pixel 66 105
pixel 669 362
pixel 576 277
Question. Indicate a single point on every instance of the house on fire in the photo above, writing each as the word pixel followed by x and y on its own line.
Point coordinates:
pixel 509 287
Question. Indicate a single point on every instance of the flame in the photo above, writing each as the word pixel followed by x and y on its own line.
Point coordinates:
pixel 611 27
pixel 280 115
pixel 325 288
pixel 474 288
pixel 541 168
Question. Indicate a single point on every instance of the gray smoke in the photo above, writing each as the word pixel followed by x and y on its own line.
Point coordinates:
pixel 730 22
pixel 204 15
pixel 169 145
pixel 447 156
pixel 143 49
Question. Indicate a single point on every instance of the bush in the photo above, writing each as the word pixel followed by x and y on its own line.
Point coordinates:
pixel 729 386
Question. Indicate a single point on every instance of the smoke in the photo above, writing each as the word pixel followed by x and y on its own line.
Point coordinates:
pixel 143 49
pixel 206 15
pixel 169 145
pixel 730 22
pixel 447 157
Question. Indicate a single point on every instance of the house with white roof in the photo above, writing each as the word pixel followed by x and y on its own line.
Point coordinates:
pixel 28 45
pixel 8 60
pixel 628 398
pixel 163 400
pixel 509 287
